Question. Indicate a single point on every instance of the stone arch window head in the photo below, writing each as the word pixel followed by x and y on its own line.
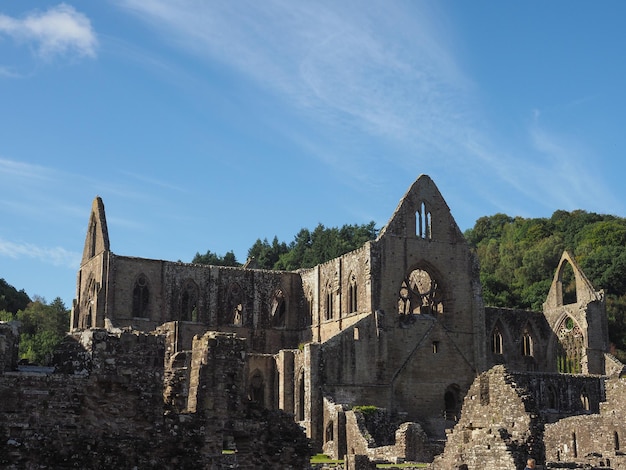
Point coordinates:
pixel 496 341
pixel 423 222
pixel 278 309
pixel 189 301
pixel 420 293
pixel 141 296
pixel 330 432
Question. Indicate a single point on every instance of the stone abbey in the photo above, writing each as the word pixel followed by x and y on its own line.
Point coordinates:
pixel 386 353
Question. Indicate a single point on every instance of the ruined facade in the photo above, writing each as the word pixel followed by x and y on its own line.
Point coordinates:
pixel 377 354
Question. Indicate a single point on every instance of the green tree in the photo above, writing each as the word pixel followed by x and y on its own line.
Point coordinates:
pixel 11 299
pixel 214 259
pixel 43 326
pixel 266 255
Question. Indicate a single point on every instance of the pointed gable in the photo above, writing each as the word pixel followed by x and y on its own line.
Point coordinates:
pixel 584 290
pixel 97 239
pixel 423 213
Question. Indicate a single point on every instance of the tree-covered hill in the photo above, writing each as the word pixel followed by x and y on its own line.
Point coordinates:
pixel 518 258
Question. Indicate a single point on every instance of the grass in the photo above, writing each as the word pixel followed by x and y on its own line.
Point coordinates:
pixel 326 460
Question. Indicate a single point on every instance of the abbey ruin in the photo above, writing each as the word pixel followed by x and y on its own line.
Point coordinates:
pixel 385 354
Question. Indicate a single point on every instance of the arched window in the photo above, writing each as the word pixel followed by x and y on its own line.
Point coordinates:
pixel 552 398
pixel 330 432
pixel 352 295
pixel 567 284
pixel 329 301
pixel 256 391
pixel 570 348
pixel 189 301
pixel 141 296
pixel 527 343
pixel 616 440
pixel 584 399
pixel 278 308
pixel 420 294
pixel 235 305
pixel 423 222
pixel 301 398
pixel 496 341
pixel 452 402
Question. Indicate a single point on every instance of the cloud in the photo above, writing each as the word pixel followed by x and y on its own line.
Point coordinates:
pixel 58 31
pixel 56 256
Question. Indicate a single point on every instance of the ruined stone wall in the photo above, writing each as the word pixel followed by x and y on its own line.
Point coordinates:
pixel 338 292
pixel 90 305
pixel 9 345
pixel 506 329
pixel 506 414
pixel 595 439
pixel 108 411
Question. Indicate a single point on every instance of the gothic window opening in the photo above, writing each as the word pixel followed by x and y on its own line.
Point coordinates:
pixel 423 222
pixel 567 284
pixel 278 308
pixel 141 296
pixel 435 347
pixel 616 440
pixel 496 341
pixel 234 305
pixel 329 302
pixel 330 432
pixel 527 343
pixel 570 348
pixel 574 445
pixel 452 402
pixel 584 400
pixel 552 398
pixel 420 294
pixel 189 301
pixel 256 392
pixel 352 295
pixel 92 236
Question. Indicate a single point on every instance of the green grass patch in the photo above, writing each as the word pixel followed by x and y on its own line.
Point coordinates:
pixel 402 465
pixel 325 459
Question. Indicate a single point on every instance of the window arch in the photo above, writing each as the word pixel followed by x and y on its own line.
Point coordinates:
pixel 329 301
pixel 496 341
pixel 352 294
pixel 423 222
pixel 527 343
pixel 420 294
pixel 584 399
pixel 571 346
pixel 452 402
pixel 256 389
pixel 566 282
pixel 278 308
pixel 552 398
pixel 189 301
pixel 330 432
pixel 141 296
pixel 235 305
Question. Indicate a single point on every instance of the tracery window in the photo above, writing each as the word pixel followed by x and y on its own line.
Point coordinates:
pixel 141 296
pixel 256 393
pixel 571 347
pixel 420 294
pixel 235 305
pixel 189 301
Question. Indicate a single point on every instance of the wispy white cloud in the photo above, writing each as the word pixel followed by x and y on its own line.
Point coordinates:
pixel 14 169
pixel 56 256
pixel 58 31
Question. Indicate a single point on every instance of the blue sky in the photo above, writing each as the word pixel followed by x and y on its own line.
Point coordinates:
pixel 207 125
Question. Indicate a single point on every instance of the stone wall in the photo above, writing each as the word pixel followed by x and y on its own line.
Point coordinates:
pixel 107 408
pixel 9 343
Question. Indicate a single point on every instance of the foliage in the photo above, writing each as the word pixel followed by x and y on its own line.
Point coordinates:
pixel 308 249
pixel 12 300
pixel 216 260
pixel 365 409
pixel 518 258
pixel 43 326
